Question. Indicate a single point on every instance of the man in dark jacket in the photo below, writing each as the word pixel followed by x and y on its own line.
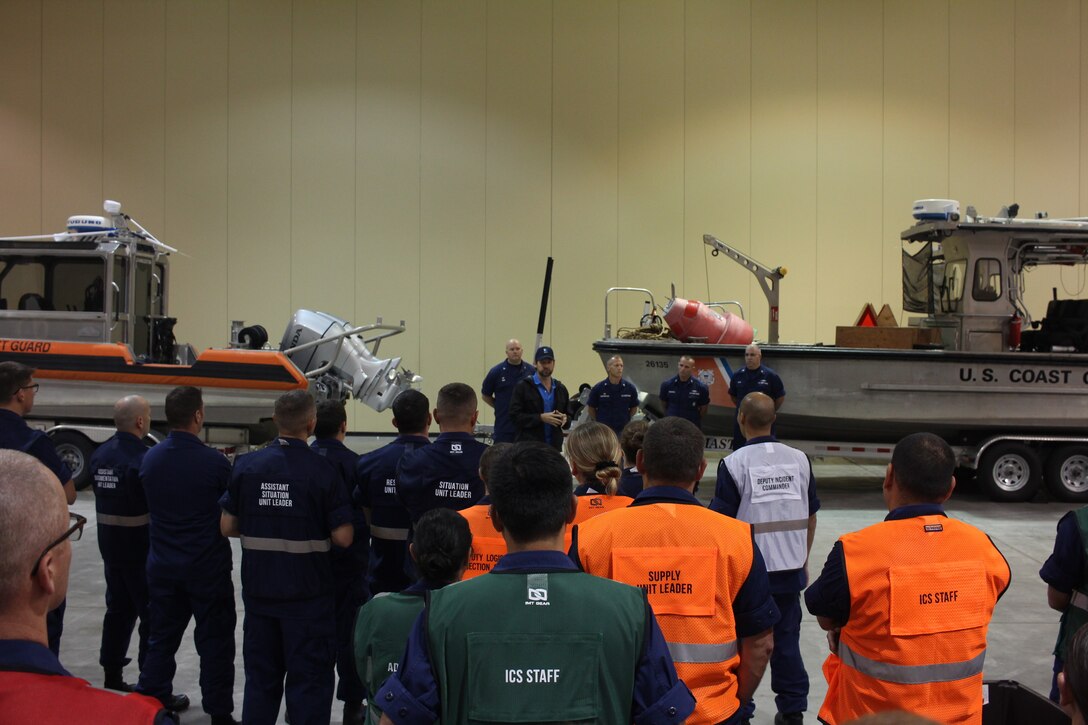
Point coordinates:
pixel 538 407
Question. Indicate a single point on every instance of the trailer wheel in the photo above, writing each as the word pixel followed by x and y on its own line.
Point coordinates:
pixel 75 450
pixel 1067 473
pixel 1010 472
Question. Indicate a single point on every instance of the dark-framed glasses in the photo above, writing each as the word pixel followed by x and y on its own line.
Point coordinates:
pixel 74 532
pixel 32 386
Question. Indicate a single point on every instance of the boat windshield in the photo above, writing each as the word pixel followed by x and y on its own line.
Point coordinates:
pixel 51 283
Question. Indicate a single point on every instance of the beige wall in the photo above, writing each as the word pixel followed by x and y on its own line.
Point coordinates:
pixel 421 160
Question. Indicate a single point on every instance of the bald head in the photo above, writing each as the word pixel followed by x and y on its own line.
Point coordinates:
pixel 132 414
pixel 756 415
pixel 33 513
pixel 513 352
pixel 753 357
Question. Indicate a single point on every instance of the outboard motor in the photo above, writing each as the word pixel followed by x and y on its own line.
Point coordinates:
pixel 354 369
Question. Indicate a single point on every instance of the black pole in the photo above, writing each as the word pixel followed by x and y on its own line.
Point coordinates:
pixel 544 302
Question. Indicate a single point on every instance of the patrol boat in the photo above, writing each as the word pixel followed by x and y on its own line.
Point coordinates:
pixel 1014 405
pixel 88 308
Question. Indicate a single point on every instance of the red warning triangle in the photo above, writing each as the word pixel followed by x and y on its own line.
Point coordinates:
pixel 867 318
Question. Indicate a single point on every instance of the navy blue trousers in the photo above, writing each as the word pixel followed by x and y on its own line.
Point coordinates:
pixel 172 603
pixel 126 601
pixel 789 680
pixel 350 595
pixel 292 657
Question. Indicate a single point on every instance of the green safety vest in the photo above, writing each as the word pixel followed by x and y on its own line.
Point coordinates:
pixel 382 627
pixel 556 647
pixel 1075 615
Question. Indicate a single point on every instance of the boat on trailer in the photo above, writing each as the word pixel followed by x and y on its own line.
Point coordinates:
pixel 88 309
pixel 1013 404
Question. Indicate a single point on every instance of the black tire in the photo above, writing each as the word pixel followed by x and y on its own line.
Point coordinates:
pixel 1010 472
pixel 75 450
pixel 1067 473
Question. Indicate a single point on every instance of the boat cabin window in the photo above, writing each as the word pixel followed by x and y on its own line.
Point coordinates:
pixel 951 291
pixel 987 287
pixel 52 284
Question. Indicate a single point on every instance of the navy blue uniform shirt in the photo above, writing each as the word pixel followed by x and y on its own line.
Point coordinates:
pixel 761 380
pixel 684 399
pixel 727 501
pixel 499 384
pixel 119 500
pixel 445 474
pixel 613 403
pixel 1065 569
pixel 829 595
pixel 376 490
pixel 183 480
pixel 744 381
pixel 352 561
pixel 411 695
pixel 287 499
pixel 15 434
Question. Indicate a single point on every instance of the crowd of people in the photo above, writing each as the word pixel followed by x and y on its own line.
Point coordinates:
pixel 561 574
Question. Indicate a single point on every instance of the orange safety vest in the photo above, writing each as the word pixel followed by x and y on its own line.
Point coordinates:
pixel 592 505
pixel 691 562
pixel 922 591
pixel 488 546
pixel 44 699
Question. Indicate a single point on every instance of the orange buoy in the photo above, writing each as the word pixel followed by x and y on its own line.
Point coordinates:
pixel 693 321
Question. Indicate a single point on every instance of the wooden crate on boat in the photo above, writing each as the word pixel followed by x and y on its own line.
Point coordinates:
pixel 890 338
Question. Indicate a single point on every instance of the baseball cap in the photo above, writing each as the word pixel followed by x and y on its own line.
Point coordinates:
pixel 544 353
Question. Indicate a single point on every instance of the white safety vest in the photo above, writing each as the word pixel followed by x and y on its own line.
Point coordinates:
pixel 773 481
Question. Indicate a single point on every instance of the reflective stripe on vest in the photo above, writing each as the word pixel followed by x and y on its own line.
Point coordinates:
pixel 388 533
pixel 702 653
pixel 129 521
pixel 260 543
pixel 911 674
pixel 1079 600
pixel 773 526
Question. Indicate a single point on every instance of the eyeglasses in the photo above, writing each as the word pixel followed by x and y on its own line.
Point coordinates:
pixel 32 386
pixel 74 532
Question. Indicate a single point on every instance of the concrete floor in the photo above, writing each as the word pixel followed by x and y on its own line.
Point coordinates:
pixel 1020 641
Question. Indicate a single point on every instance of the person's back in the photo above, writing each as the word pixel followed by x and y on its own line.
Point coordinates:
pixel 535 640
pixel 121 513
pixel 283 493
pixel 445 474
pixel 189 561
pixel 440 552
pixel 34 689
pixel 119 497
pixel 940 579
pixel 566 674
pixel 183 480
pixel 348 565
pixel 596 462
pixel 909 600
pixel 376 493
pixel 288 506
pixel 770 485
pixel 692 588
pixel 701 571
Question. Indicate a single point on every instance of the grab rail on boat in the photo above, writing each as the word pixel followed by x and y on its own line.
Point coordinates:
pixel 607 326
pixel 388 331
